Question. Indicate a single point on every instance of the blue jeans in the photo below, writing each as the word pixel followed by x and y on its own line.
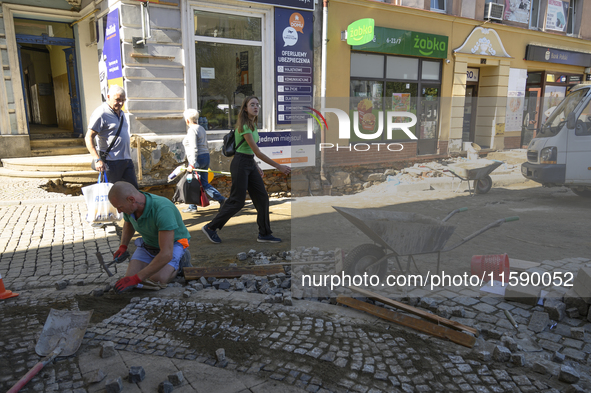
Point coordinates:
pixel 203 163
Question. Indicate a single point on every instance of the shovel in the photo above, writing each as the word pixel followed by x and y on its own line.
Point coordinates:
pixel 61 336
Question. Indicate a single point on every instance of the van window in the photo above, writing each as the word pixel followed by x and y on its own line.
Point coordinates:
pixel 557 119
pixel 583 126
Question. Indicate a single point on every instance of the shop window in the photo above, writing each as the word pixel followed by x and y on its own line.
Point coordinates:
pixel 572 24
pixel 430 70
pixel 400 89
pixel 534 15
pixel 438 5
pixel 367 66
pixel 213 24
pixel 402 68
pixel 39 27
pixel 228 60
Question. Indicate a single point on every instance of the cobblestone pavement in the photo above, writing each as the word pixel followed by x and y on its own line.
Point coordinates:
pixel 312 345
pixel 18 190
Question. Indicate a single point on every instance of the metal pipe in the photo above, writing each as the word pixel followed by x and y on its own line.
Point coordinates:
pixel 323 81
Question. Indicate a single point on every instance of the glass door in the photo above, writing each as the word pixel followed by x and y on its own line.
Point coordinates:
pixel 469 114
pixel 428 119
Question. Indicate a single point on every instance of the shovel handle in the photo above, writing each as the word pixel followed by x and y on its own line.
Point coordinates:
pixel 514 218
pixel 36 368
pixel 28 376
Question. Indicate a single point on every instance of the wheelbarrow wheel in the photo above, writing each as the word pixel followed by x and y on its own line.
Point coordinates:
pixel 483 185
pixel 361 259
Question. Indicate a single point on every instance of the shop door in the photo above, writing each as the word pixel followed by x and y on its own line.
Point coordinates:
pixel 48 102
pixel 73 90
pixel 428 119
pixel 469 113
pixel 530 115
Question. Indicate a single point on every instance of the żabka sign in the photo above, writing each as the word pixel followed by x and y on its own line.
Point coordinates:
pixel 345 126
pixel 360 32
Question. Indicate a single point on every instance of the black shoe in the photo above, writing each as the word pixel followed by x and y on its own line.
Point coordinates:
pixel 211 235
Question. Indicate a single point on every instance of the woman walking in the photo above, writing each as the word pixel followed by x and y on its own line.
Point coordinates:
pixel 197 152
pixel 247 176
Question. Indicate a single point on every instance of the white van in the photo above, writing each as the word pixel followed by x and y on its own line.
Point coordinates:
pixel 560 154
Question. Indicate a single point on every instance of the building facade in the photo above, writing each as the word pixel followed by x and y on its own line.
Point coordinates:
pixel 466 76
pixel 469 71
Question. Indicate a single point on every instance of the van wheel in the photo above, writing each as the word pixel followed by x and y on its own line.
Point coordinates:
pixel 585 192
pixel 483 185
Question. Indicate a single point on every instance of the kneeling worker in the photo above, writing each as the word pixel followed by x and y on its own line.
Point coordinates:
pixel 164 236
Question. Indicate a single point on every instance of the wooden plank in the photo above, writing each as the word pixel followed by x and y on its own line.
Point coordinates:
pixel 518 265
pixel 194 273
pixel 421 313
pixel 411 322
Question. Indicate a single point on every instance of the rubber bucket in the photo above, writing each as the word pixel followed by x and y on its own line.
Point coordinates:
pixel 487 264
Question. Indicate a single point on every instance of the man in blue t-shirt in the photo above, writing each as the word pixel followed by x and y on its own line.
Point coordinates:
pixel 161 250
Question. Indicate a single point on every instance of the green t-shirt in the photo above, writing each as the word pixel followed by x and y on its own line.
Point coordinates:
pixel 245 147
pixel 160 214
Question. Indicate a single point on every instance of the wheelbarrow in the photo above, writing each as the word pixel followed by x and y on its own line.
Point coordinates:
pixel 61 336
pixel 476 170
pixel 400 234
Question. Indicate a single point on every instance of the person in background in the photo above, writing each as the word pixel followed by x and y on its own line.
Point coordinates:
pixel 197 152
pixel 103 124
pixel 247 176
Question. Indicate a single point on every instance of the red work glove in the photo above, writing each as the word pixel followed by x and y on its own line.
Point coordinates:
pixel 120 251
pixel 127 283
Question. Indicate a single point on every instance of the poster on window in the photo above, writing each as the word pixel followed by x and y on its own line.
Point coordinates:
pixel 557 14
pixel 515 99
pixel 109 52
pixel 294 65
pixel 517 10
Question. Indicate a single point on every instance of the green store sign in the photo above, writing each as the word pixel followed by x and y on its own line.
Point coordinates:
pixel 360 31
pixel 405 42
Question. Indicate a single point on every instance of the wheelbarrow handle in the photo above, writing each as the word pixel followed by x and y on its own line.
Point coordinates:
pixel 460 210
pixel 493 224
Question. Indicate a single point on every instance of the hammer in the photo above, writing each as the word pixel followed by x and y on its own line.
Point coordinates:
pixel 119 259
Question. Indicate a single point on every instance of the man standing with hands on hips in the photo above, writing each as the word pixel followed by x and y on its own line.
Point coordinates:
pixel 109 125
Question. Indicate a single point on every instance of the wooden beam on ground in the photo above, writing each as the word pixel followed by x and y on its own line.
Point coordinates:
pixel 421 313
pixel 194 273
pixel 411 322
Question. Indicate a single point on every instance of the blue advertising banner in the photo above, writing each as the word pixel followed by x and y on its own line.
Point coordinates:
pixel 300 4
pixel 294 65
pixel 109 46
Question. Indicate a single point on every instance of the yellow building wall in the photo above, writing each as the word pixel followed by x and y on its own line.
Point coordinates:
pixel 494 75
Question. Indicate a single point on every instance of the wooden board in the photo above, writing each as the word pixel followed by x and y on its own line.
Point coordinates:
pixel 518 265
pixel 411 322
pixel 194 273
pixel 421 313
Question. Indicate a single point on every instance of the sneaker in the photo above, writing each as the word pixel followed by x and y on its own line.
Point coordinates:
pixel 184 262
pixel 268 239
pixel 190 210
pixel 211 235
